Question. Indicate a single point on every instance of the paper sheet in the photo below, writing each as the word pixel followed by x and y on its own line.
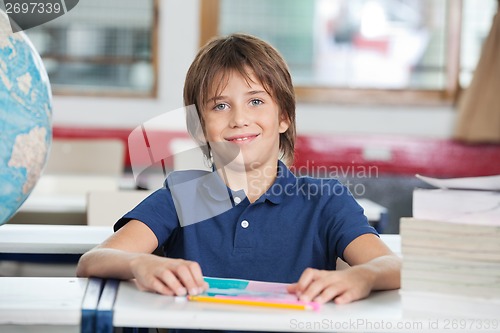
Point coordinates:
pixel 490 183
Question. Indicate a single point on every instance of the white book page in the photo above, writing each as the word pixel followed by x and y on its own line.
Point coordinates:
pixel 491 183
pixel 457 206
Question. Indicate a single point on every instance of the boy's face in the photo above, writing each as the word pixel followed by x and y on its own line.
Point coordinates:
pixel 243 118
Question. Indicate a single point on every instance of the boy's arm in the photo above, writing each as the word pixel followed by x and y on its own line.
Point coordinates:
pixel 373 267
pixel 371 253
pixel 127 255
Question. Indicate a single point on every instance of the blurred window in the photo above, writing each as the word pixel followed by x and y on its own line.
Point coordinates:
pixel 338 49
pixel 476 24
pixel 101 48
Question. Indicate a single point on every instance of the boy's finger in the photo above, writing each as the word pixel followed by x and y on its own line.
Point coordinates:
pixel 313 290
pixel 198 276
pixel 159 287
pixel 305 280
pixel 292 288
pixel 328 294
pixel 171 281
pixel 185 275
pixel 344 298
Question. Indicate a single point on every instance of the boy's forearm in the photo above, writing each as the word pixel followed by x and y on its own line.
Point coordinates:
pixel 106 263
pixel 384 272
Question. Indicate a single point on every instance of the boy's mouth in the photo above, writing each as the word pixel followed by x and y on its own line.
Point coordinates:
pixel 243 138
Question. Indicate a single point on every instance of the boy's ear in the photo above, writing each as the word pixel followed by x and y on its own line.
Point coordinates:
pixel 284 123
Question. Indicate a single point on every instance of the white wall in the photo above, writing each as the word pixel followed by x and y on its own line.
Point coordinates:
pixel 179 35
pixel 433 122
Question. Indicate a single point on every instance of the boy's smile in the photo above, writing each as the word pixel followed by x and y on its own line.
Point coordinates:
pixel 242 138
pixel 244 118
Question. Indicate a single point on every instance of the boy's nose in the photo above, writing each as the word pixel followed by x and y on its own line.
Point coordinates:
pixel 239 117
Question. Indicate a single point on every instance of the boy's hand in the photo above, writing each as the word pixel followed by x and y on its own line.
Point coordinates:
pixel 173 277
pixel 373 267
pixel 342 286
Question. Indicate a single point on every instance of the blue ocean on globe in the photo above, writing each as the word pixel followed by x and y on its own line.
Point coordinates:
pixel 25 118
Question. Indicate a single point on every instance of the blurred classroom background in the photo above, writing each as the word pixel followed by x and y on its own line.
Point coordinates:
pixel 380 93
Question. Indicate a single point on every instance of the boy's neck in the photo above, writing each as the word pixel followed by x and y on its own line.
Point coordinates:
pixel 254 180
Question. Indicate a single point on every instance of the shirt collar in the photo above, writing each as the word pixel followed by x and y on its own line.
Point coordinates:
pixel 281 186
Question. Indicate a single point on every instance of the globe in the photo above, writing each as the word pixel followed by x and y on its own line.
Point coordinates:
pixel 25 118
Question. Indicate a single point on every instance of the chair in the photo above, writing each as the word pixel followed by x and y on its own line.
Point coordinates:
pixel 104 208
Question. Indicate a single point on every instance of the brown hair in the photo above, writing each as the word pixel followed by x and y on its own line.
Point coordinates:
pixel 237 52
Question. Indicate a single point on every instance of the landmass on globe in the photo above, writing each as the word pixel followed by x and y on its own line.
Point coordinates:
pixel 25 118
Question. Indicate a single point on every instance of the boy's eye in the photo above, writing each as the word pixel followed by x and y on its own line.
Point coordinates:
pixel 256 102
pixel 220 107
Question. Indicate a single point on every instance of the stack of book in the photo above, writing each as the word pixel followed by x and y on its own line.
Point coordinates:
pixel 451 249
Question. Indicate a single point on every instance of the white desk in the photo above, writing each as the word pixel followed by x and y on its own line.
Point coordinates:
pixel 393 241
pixel 134 308
pixel 373 211
pixel 55 203
pixel 41 304
pixel 382 311
pixel 66 193
pixel 51 239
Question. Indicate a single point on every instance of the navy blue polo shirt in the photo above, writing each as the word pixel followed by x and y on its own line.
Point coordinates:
pixel 299 222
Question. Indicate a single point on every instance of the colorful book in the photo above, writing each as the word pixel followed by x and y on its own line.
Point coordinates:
pixel 251 293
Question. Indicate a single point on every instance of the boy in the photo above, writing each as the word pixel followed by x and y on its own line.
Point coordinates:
pixel 250 218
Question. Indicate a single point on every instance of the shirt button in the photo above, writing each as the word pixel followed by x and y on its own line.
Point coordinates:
pixel 237 200
pixel 244 224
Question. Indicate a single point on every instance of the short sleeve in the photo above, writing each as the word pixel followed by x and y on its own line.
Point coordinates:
pixel 157 211
pixel 345 219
